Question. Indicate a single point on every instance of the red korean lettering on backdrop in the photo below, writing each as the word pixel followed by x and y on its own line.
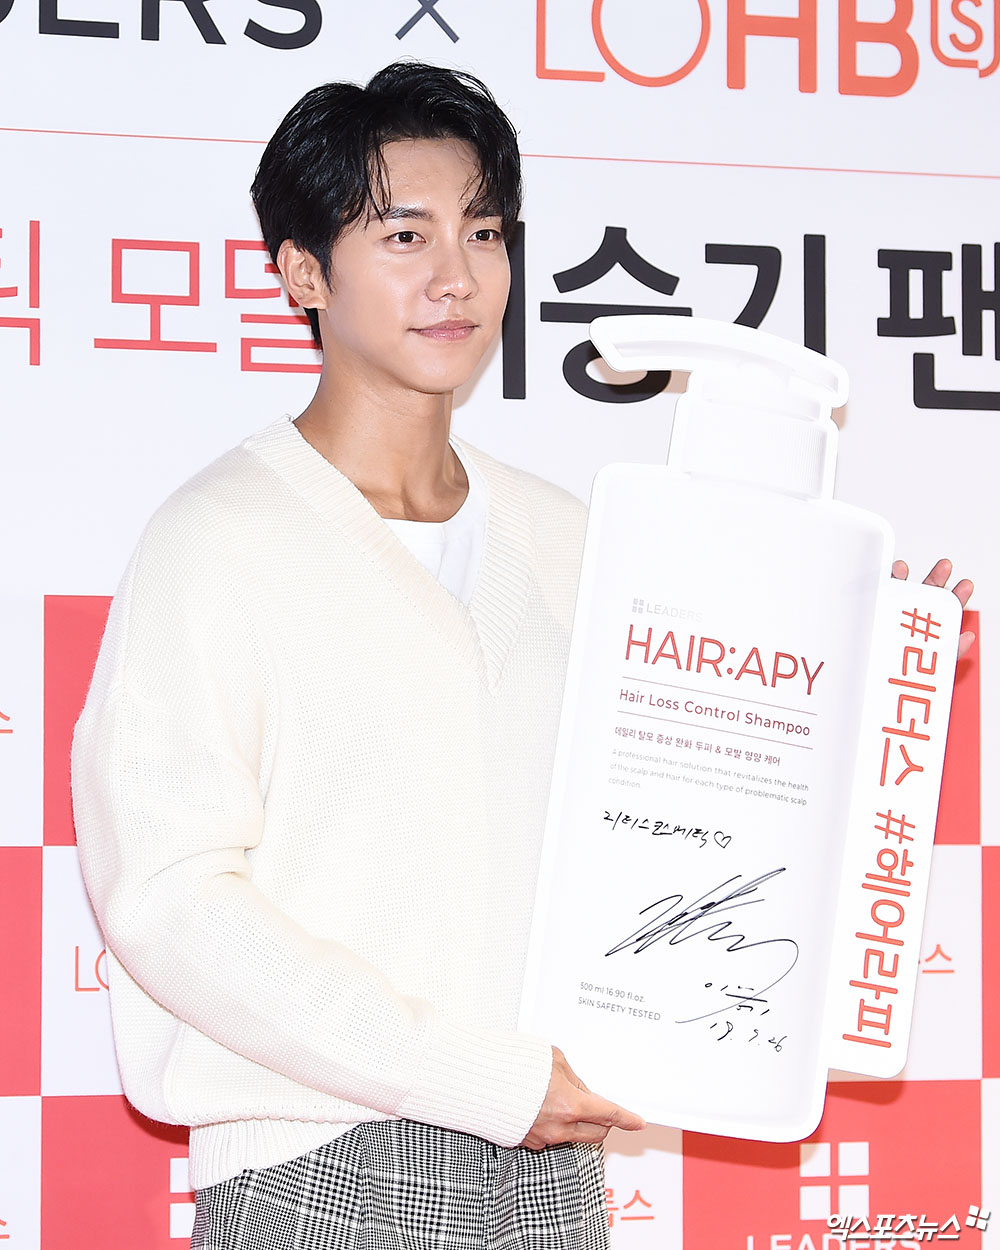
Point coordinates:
pixel 248 362
pixel 153 300
pixel 32 324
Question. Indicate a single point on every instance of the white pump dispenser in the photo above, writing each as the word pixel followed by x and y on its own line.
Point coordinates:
pixel 756 407
pixel 702 784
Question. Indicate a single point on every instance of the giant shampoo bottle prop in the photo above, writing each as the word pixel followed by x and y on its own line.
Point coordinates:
pixel 684 930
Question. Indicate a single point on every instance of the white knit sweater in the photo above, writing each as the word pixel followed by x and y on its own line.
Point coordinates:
pixel 310 787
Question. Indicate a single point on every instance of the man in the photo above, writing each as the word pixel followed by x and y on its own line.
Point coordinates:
pixel 311 774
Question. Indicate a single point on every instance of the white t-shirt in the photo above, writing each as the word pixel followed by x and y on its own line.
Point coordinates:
pixel 451 550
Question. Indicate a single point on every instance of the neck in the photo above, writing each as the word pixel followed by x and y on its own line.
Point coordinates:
pixel 394 448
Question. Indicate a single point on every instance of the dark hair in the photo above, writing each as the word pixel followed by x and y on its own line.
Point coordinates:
pixel 323 169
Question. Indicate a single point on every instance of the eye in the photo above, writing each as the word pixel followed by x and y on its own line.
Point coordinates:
pixel 404 236
pixel 486 235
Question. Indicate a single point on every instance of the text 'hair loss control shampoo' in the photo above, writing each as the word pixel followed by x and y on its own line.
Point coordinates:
pixel 689 884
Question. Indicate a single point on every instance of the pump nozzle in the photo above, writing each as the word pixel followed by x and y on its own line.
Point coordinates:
pixel 756 408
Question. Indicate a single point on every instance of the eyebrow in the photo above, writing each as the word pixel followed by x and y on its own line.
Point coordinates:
pixel 400 212
pixel 410 212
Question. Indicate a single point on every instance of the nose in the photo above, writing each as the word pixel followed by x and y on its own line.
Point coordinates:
pixel 452 273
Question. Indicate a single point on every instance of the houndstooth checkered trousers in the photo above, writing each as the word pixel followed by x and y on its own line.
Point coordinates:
pixel 398 1185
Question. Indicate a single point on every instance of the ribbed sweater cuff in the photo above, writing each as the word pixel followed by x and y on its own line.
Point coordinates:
pixel 480 1082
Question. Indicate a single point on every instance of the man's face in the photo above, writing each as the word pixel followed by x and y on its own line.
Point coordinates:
pixel 416 298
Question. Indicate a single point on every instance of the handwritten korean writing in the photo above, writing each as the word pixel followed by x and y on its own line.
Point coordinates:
pixel 664 828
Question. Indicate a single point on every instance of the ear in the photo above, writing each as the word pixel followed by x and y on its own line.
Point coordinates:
pixel 303 276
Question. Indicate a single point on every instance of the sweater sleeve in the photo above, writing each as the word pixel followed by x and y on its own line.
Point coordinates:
pixel 169 770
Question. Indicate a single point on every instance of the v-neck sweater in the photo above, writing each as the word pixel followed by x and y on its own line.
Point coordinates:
pixel 309 788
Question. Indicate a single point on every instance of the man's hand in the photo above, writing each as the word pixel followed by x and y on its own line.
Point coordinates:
pixel 938 576
pixel 571 1112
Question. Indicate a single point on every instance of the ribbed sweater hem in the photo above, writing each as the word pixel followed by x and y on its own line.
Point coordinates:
pixel 219 1152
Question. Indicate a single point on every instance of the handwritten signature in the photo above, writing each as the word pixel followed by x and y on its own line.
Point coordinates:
pixel 678 923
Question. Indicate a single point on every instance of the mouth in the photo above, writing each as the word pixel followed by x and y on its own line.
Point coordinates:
pixel 447 331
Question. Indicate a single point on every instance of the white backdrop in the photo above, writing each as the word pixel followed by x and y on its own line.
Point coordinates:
pixel 840 177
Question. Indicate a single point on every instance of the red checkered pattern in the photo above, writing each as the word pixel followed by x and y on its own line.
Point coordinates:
pixel 82 1171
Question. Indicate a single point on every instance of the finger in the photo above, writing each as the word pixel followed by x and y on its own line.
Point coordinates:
pixel 963 591
pixel 628 1120
pixel 965 641
pixel 939 574
pixel 570 1130
pixel 586 1131
pixel 901 570
pixel 613 1116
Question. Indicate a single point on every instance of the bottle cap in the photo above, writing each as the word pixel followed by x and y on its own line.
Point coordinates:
pixel 757 408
